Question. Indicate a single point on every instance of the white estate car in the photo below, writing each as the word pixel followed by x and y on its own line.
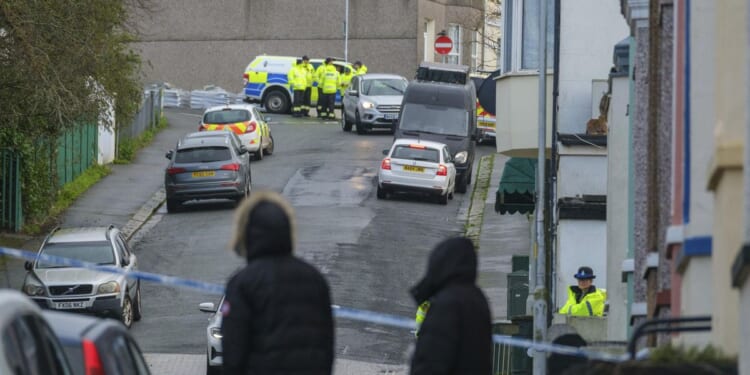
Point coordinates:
pixel 246 121
pixel 413 165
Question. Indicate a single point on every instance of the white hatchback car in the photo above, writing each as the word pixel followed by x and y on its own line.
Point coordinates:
pixel 413 165
pixel 246 121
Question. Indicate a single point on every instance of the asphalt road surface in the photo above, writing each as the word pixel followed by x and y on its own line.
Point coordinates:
pixel 371 251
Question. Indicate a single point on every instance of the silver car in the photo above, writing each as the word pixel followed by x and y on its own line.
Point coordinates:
pixel 213 334
pixel 207 165
pixel 372 101
pixel 61 287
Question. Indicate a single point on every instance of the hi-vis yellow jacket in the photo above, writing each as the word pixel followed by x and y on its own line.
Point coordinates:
pixel 590 304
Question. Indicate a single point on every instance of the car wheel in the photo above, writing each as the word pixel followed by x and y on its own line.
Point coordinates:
pixel 137 308
pixel 358 123
pixel 381 193
pixel 212 370
pixel 246 193
pixel 461 185
pixel 346 125
pixel 269 149
pixel 126 315
pixel 259 154
pixel 468 177
pixel 172 205
pixel 276 101
pixel 443 199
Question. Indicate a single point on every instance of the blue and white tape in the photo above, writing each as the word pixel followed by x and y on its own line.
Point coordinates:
pixel 339 311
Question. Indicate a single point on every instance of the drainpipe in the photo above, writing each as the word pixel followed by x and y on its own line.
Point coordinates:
pixel 554 155
pixel 540 292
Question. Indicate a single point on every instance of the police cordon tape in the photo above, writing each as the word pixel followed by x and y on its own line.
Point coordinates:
pixel 339 311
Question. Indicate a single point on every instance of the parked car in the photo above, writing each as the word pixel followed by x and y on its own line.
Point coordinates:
pixel 413 165
pixel 207 165
pixel 96 346
pixel 60 287
pixel 244 120
pixel 213 334
pixel 372 101
pixel 28 345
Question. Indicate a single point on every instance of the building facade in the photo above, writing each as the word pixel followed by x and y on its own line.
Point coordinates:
pixel 193 43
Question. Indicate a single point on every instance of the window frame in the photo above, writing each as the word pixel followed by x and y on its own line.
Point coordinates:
pixel 513 37
pixel 456 50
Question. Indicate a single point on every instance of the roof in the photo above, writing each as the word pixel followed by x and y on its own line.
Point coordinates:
pixel 200 139
pixel 439 93
pixel 409 141
pixel 517 187
pixel 231 106
pixel 81 234
pixel 69 326
pixel 381 76
pixel 14 303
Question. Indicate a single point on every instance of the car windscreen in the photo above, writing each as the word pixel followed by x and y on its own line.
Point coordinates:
pixel 203 154
pixel 226 116
pixel 435 119
pixel 92 252
pixel 384 87
pixel 415 153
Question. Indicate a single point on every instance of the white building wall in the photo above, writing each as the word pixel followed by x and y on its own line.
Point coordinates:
pixel 580 243
pixel 582 174
pixel 588 31
pixel 618 153
pixel 107 143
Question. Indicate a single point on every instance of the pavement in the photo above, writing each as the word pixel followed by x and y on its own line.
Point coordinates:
pixel 132 192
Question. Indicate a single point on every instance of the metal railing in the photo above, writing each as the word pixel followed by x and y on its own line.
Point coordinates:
pixel 682 324
pixel 147 117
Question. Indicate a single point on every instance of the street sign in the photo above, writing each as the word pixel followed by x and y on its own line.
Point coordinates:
pixel 443 45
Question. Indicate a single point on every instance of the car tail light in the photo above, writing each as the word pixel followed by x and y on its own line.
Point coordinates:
pixel 174 170
pixel 91 361
pixel 442 170
pixel 386 164
pixel 251 127
pixel 230 167
pixel 246 76
pixel 201 128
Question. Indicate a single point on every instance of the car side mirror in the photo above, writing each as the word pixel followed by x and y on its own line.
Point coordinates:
pixel 352 93
pixel 243 149
pixel 28 265
pixel 207 307
pixel 125 262
pixel 267 118
pixel 169 154
pixel 385 152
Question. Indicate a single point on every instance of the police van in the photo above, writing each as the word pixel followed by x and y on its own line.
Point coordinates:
pixel 266 82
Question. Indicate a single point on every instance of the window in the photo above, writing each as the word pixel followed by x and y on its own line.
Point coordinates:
pixel 92 252
pixel 203 155
pixel 435 119
pixel 521 34
pixel 226 116
pixel 413 153
pixel 476 44
pixel 383 87
pixel 454 57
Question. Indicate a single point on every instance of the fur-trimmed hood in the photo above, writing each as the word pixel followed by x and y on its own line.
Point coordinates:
pixel 264 225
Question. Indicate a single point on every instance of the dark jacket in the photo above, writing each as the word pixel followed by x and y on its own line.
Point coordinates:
pixel 456 335
pixel 278 319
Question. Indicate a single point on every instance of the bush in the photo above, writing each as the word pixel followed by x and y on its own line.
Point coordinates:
pixel 127 148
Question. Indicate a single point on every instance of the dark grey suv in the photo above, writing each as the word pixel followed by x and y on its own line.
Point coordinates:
pixel 207 165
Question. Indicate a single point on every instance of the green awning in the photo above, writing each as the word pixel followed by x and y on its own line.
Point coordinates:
pixel 517 187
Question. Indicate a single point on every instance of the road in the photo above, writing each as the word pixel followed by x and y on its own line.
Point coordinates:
pixel 371 251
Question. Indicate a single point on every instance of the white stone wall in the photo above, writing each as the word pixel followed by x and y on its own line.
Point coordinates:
pixel 580 243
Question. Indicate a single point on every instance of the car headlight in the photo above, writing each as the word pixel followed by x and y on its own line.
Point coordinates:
pixel 460 157
pixel 108 287
pixel 368 105
pixel 33 290
pixel 216 333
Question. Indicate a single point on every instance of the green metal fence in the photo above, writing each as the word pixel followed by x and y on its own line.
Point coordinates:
pixel 11 212
pixel 76 152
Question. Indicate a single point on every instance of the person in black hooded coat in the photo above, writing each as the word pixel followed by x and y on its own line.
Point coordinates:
pixel 277 316
pixel 456 335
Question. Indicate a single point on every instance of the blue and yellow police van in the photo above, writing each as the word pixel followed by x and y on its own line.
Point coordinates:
pixel 266 82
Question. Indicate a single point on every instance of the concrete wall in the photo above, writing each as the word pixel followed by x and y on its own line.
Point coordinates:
pixel 588 30
pixel 744 331
pixel 696 297
pixel 581 173
pixel 580 243
pixel 517 103
pixel 618 152
pixel 726 179
pixel 192 43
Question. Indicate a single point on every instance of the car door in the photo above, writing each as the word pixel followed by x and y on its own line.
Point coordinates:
pixel 124 253
pixel 350 101
pixel 262 128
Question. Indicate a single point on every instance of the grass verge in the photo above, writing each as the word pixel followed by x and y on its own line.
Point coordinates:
pixel 128 148
pixel 473 226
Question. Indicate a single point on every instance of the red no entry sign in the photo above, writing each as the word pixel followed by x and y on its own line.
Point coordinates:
pixel 443 45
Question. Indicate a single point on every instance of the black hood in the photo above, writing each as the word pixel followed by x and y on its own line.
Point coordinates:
pixel 264 226
pixel 452 261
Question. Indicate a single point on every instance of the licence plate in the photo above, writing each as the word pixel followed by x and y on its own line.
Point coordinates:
pixel 391 116
pixel 70 305
pixel 204 174
pixel 412 168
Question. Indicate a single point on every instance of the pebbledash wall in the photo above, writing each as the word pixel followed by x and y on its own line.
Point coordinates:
pixel 192 43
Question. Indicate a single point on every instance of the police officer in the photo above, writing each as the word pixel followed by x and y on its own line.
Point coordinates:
pixel 346 78
pixel 297 78
pixel 359 68
pixel 310 72
pixel 584 299
pixel 331 82
pixel 318 78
